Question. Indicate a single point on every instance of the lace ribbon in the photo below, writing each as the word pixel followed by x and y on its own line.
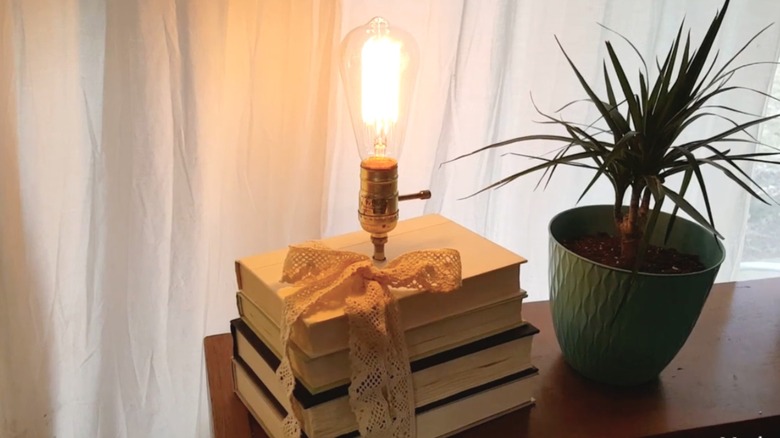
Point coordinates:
pixel 381 394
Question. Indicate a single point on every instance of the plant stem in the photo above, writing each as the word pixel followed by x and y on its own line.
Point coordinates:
pixel 630 229
pixel 617 211
pixel 645 207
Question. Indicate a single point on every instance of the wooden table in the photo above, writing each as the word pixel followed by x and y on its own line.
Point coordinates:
pixel 725 382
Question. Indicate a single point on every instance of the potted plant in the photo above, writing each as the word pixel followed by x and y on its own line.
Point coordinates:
pixel 615 321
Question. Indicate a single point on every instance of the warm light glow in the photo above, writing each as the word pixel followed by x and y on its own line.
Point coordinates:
pixel 379 65
pixel 379 163
pixel 380 84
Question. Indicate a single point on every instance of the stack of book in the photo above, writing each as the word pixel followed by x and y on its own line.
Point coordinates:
pixel 470 349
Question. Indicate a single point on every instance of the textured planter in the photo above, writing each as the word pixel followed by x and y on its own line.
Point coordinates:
pixel 659 312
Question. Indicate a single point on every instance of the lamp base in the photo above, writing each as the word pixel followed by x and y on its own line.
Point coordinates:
pixel 378 203
pixel 379 247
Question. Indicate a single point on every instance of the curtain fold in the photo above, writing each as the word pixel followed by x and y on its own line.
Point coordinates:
pixel 507 62
pixel 147 144
pixel 22 350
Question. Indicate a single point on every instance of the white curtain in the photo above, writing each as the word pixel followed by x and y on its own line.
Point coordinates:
pixel 481 62
pixel 146 144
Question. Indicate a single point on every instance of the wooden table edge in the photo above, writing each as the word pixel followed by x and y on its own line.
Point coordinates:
pixel 232 420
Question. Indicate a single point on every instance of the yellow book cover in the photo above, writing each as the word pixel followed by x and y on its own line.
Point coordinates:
pixel 490 273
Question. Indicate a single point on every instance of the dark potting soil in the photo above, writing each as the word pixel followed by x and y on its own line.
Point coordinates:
pixel 605 249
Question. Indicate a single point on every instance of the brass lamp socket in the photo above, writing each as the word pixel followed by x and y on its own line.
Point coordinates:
pixel 378 202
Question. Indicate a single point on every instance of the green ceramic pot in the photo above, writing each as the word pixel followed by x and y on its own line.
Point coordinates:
pixel 633 345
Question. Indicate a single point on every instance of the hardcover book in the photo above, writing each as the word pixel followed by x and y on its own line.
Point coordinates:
pixel 441 381
pixel 491 274
pixel 324 372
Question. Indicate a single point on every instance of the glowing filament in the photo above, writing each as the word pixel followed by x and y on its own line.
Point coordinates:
pixel 380 84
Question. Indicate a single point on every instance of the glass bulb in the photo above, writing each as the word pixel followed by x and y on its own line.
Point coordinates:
pixel 378 68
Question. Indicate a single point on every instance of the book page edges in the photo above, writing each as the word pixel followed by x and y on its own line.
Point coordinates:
pixel 265 288
pixel 421 342
pixel 481 407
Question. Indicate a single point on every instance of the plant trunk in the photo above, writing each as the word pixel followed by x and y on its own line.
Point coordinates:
pixel 631 225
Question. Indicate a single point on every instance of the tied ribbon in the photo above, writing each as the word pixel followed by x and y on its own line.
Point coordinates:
pixel 381 394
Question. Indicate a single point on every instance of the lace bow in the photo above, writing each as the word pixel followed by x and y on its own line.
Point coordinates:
pixel 380 394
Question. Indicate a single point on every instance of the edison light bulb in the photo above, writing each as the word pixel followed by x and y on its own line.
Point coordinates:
pixel 379 67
